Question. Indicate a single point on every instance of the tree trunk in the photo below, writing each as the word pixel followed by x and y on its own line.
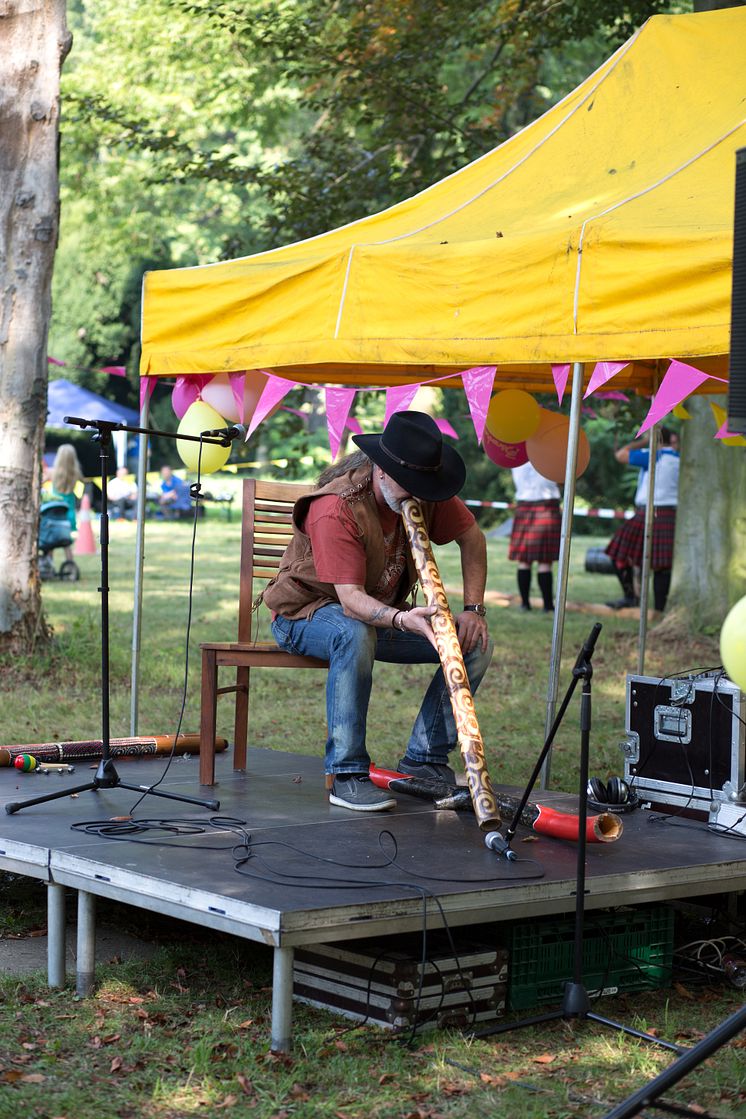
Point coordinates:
pixel 34 41
pixel 709 572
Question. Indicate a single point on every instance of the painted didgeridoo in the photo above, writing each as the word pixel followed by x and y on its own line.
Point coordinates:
pixel 139 747
pixel 604 828
pixel 454 671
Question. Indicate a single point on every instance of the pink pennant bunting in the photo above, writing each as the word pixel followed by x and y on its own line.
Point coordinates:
pixel 445 428
pixel 147 384
pixel 54 361
pixel 237 382
pixel 613 395
pixel 295 412
pixel 560 373
pixel 273 392
pixel 679 381
pixel 187 390
pixel 353 426
pixel 114 370
pixel 602 373
pixel 338 404
pixel 398 399
pixel 478 384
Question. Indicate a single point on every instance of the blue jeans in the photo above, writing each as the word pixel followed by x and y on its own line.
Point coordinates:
pixel 351 647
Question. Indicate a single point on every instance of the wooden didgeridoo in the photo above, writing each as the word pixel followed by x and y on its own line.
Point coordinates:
pixel 141 746
pixel 454 671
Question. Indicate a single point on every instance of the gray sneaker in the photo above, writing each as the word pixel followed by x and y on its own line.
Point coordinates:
pixel 360 794
pixel 431 771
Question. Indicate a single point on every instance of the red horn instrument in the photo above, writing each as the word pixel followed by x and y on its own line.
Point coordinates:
pixel 604 828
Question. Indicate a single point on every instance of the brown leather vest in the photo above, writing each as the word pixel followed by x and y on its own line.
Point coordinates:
pixel 296 591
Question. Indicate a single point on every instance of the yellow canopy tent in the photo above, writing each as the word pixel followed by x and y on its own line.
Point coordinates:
pixel 602 231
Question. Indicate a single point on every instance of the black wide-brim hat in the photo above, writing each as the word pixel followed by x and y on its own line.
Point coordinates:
pixel 412 452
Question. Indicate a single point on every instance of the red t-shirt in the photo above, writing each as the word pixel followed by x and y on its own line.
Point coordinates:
pixel 339 554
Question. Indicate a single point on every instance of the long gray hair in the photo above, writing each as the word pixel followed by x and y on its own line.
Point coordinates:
pixel 344 466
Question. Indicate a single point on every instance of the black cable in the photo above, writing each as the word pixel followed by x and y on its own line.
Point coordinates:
pixel 671 818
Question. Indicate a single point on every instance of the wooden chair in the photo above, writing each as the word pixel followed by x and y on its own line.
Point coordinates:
pixel 266 529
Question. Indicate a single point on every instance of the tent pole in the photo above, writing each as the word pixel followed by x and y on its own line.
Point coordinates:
pixel 563 567
pixel 142 483
pixel 647 551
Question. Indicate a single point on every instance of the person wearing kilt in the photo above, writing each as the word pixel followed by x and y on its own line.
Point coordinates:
pixel 626 546
pixel 535 536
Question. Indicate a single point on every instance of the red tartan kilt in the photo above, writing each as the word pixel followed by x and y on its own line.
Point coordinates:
pixel 626 546
pixel 535 537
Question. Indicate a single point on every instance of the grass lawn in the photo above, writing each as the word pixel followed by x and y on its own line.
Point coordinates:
pixel 186 1033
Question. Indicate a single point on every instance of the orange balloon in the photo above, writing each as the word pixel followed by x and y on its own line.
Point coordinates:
pixel 547 420
pixel 547 449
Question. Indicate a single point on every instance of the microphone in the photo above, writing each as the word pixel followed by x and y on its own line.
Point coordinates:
pixel 235 431
pixel 497 843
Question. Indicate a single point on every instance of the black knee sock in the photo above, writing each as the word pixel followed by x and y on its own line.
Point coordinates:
pixel 624 574
pixel 661 584
pixel 545 586
pixel 524 584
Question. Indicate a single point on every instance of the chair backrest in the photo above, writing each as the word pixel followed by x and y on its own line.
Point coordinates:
pixel 266 530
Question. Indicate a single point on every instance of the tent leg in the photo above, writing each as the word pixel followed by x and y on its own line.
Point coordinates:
pixel 560 598
pixel 142 483
pixel 647 551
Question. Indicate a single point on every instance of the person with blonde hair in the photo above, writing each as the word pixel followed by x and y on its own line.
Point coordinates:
pixel 66 473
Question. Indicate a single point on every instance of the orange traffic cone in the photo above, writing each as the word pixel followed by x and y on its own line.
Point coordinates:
pixel 85 545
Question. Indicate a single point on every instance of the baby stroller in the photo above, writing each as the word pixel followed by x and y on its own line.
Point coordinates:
pixel 55 532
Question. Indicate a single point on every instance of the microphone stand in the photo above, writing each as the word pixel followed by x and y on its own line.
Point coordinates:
pixel 576 1002
pixel 106 776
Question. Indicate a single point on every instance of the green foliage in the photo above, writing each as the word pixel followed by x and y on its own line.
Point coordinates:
pixel 195 130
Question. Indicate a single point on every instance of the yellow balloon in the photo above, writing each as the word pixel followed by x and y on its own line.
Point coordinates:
pixel 733 644
pixel 200 417
pixel 513 416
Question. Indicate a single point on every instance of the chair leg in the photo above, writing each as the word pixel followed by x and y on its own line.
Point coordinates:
pixel 208 717
pixel 241 727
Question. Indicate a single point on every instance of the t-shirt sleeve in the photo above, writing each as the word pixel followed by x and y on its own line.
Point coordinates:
pixel 639 457
pixel 450 519
pixel 338 552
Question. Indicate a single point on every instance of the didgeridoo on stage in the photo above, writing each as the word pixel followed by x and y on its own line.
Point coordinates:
pixel 454 671
pixel 138 747
pixel 604 828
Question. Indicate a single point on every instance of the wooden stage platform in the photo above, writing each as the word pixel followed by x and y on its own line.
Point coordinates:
pixel 317 873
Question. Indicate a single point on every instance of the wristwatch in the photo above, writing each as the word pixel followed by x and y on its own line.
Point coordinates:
pixel 477 608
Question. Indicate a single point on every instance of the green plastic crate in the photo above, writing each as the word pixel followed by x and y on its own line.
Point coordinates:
pixel 623 950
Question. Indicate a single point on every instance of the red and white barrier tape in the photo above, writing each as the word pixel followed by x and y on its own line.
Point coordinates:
pixel 609 514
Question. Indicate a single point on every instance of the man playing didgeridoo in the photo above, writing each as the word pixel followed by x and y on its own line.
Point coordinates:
pixel 342 593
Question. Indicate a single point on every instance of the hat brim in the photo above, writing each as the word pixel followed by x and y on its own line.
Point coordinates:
pixel 428 485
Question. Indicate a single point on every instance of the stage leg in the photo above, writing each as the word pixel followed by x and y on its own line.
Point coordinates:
pixel 86 943
pixel 56 945
pixel 282 1000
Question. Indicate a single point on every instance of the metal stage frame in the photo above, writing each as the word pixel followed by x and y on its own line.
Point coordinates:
pixel 282 800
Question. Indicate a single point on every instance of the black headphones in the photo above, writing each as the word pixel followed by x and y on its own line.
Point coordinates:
pixel 614 793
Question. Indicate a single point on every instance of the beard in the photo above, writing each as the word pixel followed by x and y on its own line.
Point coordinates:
pixel 393 502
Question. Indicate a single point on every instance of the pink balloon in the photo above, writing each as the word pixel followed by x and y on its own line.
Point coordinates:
pixel 219 395
pixel 504 454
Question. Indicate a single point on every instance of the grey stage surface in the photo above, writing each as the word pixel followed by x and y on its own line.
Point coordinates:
pixel 288 895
